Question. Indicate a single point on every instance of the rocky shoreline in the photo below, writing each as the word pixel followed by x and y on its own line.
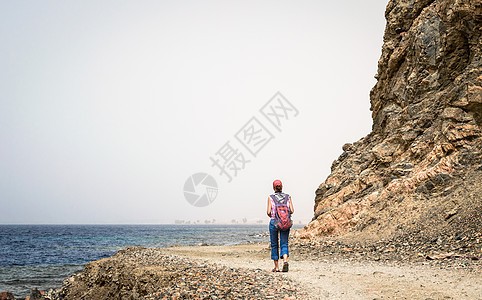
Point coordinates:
pixel 186 273
pixel 147 273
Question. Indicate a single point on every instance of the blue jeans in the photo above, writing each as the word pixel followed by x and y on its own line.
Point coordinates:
pixel 283 239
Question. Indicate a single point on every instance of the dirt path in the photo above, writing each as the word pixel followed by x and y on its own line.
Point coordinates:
pixel 341 279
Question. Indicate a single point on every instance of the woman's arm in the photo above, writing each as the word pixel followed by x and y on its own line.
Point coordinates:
pixel 292 210
pixel 269 208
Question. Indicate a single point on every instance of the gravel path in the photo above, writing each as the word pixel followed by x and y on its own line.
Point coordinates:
pixel 350 277
pixel 208 280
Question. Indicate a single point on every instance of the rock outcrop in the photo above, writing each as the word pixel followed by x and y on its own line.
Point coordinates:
pixel 419 170
pixel 6 296
pixel 121 276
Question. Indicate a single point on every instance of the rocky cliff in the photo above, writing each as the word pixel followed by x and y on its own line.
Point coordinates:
pixel 419 171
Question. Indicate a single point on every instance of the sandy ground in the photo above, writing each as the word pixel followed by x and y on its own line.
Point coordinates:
pixel 342 279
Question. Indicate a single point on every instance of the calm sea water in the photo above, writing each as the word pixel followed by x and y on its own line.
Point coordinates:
pixel 42 256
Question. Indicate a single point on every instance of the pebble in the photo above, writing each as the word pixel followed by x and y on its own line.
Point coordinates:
pixel 193 280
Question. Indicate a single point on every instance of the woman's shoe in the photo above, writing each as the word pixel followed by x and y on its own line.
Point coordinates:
pixel 285 267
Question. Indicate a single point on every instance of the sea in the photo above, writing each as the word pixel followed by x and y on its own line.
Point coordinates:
pixel 42 256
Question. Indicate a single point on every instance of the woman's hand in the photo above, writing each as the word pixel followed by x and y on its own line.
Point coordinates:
pixel 268 211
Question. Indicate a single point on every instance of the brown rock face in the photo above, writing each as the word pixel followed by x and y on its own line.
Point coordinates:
pixel 419 170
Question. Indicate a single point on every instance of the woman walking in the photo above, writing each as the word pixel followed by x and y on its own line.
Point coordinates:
pixel 279 198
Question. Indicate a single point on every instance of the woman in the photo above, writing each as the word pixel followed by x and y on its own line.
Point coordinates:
pixel 274 232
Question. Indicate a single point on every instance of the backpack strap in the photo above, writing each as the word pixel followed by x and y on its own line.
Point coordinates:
pixel 277 200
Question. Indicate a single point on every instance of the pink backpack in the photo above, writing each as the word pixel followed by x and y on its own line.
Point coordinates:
pixel 282 217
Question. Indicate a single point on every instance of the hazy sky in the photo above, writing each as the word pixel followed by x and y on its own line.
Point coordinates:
pixel 108 107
